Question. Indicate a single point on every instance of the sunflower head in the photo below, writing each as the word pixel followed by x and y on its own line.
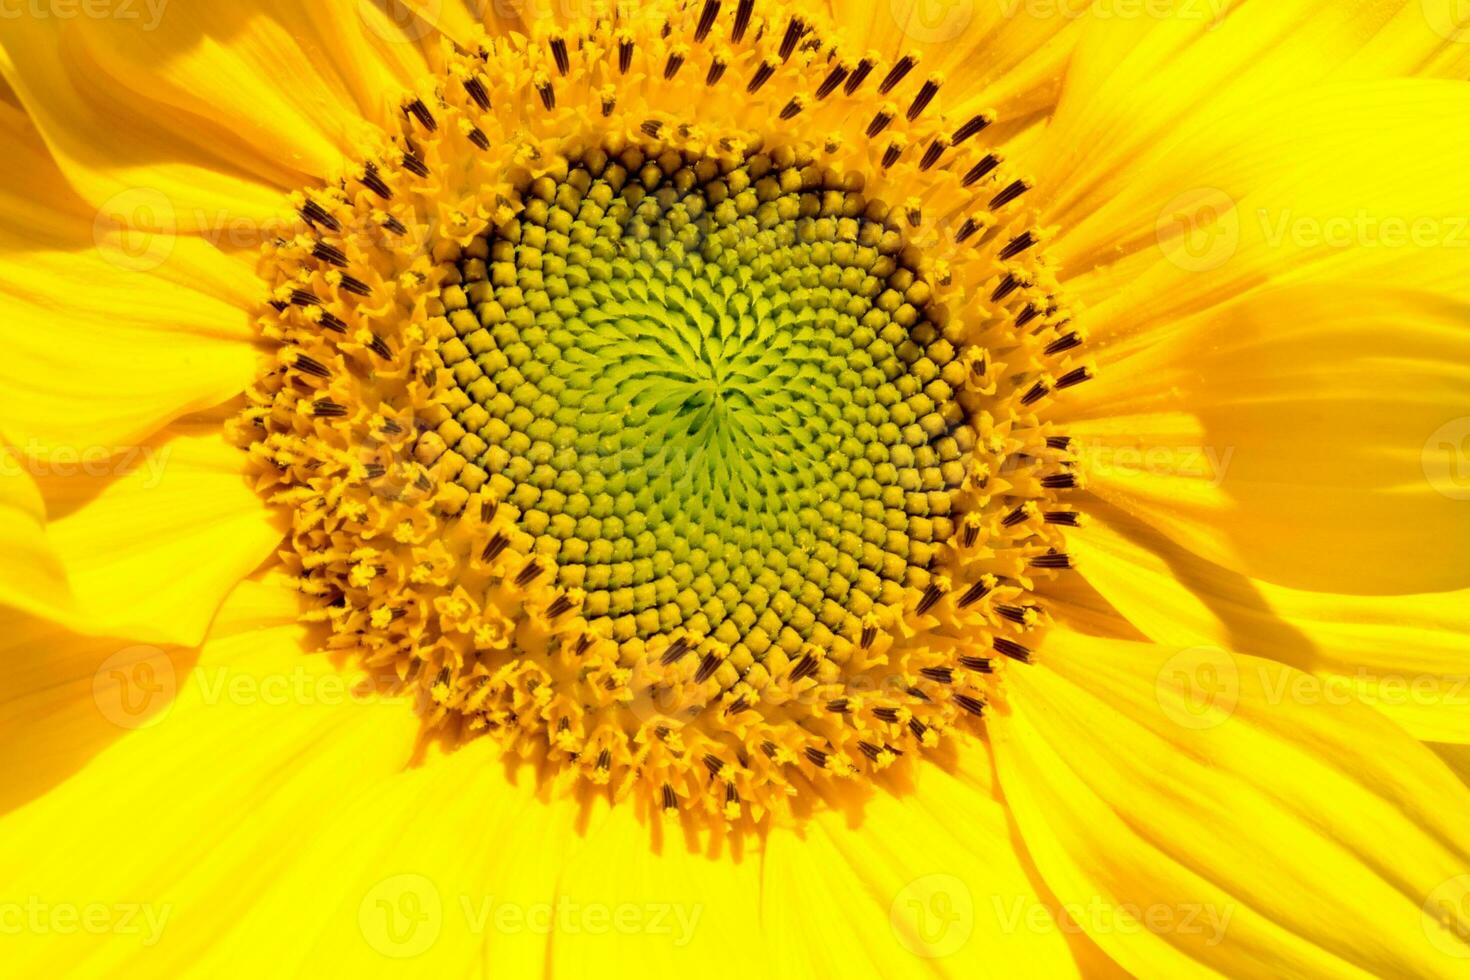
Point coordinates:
pixel 692 452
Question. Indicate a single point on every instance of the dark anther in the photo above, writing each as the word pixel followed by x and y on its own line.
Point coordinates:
pixel 1074 377
pixel 980 665
pixel 941 674
pixel 837 706
pixel 1007 286
pixel 478 137
pixel 672 65
pixel 609 103
pixel 374 182
pixel 918 728
pixel 547 93
pixel 1018 245
pixel 419 111
pixel 309 365
pixel 895 74
pixel 1014 517
pixel 333 322
pixel 1011 649
pixel 974 594
pixel 974 706
pixel 925 96
pixel 494 547
pixel 1014 190
pixel 988 163
pixel 300 297
pixel 817 757
pixel 713 764
pixel 559 605
pixel 707 667
pixel 888 715
pixel 926 602
pixel 1063 343
pixel 830 83
pixel 742 20
pixel 869 634
pixel 859 75
pixel 870 750
pixel 1059 442
pixel 675 651
pixel 528 574
pixel 1035 394
pixel 970 128
pixel 651 128
pixel 671 801
pixel 706 20
pixel 791 109
pixel 762 74
pixel 932 153
pixel 716 72
pixel 487 510
pixel 328 409
pixel 1057 560
pixel 315 214
pixel 414 165
pixel 1027 315
pixel 1060 481
pixel 794 29
pixel 1066 518
pixel 559 52
pixel 477 92
pixel 355 285
pixel 625 55
pixel 394 225
pixel 968 228
pixel 891 155
pixel 328 253
pixel 805 667
pixel 880 122
pixel 604 759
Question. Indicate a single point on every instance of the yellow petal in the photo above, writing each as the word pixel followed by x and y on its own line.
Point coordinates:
pixel 161 328
pixel 31 576
pixel 181 824
pixel 929 883
pixel 1199 818
pixel 153 542
pixel 1406 654
pixel 218 108
pixel 1311 436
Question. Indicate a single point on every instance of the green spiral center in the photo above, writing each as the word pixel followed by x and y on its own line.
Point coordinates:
pixel 717 395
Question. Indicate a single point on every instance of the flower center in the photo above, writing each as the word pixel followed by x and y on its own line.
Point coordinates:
pixel 705 463
pixel 713 395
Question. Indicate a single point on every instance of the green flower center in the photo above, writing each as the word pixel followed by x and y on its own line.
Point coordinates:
pixel 716 394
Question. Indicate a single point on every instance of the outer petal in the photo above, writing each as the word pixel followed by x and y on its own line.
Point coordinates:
pixel 217 107
pixel 154 539
pixel 1408 655
pixel 1312 436
pixel 160 328
pixel 31 577
pixel 1153 788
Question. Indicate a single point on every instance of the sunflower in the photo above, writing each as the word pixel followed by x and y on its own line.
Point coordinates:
pixel 873 488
